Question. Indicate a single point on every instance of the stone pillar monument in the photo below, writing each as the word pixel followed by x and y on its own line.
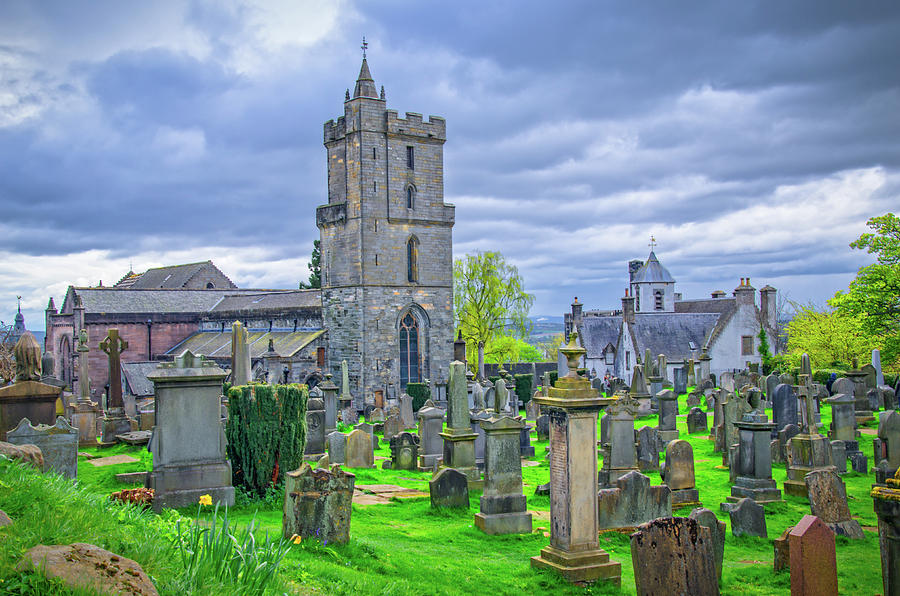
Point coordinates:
pixel 863 410
pixel 704 366
pixel 809 451
pixel 84 415
pixel 115 422
pixel 754 461
pixel 241 367
pixel 574 549
pixel 329 396
pixel 459 440
pixel 349 414
pixel 188 442
pixel 503 507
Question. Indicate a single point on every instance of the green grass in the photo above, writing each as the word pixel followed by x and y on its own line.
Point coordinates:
pixel 406 547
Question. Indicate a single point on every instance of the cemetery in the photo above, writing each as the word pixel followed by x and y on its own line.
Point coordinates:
pixel 366 512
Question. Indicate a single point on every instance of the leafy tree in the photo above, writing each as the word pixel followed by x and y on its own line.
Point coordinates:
pixel 489 301
pixel 511 349
pixel 550 348
pixel 765 353
pixel 315 269
pixel 873 298
pixel 829 336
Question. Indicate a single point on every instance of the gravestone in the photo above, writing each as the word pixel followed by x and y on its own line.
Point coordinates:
pixel 501 397
pixel 887 446
pixel 876 364
pixel 886 498
pixel 188 443
pixel 392 425
pixel 377 415
pixel 58 444
pixel 330 402
pixel 459 440
pixel 680 381
pixel 782 556
pixel 668 410
pixel 85 413
pixel 241 368
pixel 786 378
pixel 784 407
pixel 369 430
pixel 525 447
pixel 673 555
pixel 405 451
pixel 604 429
pixel 873 396
pixel 315 429
pixel 808 451
pixel 449 488
pixel 843 418
pixel 638 390
pixel 475 419
pixel 748 518
pixel 828 502
pixel 503 506
pixel 407 417
pixel 621 456
pixel 542 427
pixel 678 474
pixel 888 397
pixel 839 456
pixel 871 379
pixel 842 385
pixel 478 403
pixel 574 550
pixel 753 464
pixel 317 504
pixel 359 453
pixel 647 449
pixel 532 410
pixel 337 447
pixel 726 382
pixel 431 423
pixel 694 399
pixel 784 436
pixel 115 422
pixel 812 558
pixel 732 411
pixel 696 421
pixel 632 502
pixel 772 381
pixel 708 520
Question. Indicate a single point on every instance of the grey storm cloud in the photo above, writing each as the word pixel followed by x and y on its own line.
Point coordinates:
pixel 575 130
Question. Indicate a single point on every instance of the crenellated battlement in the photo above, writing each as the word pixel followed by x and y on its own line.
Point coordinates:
pixel 335 130
pixel 412 125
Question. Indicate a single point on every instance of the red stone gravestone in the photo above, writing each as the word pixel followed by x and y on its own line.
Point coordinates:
pixel 813 559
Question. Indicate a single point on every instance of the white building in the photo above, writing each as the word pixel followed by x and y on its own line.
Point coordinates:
pixel 655 317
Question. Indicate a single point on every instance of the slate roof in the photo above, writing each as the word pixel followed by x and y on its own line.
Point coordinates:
pixel 275 300
pixel 652 272
pixel 129 300
pixel 135 378
pixel 217 344
pixel 174 276
pixel 726 307
pixel 598 332
pixel 671 333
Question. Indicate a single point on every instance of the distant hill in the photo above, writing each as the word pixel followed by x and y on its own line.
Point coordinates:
pixel 545 327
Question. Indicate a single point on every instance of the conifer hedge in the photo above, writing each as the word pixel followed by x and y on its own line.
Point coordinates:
pixel 524 387
pixel 420 394
pixel 266 433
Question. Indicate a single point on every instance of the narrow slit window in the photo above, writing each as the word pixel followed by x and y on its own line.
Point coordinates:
pixel 410 197
pixel 411 158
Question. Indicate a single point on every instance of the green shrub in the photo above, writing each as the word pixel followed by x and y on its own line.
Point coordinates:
pixel 420 394
pixel 822 375
pixel 523 387
pixel 266 433
pixel 554 376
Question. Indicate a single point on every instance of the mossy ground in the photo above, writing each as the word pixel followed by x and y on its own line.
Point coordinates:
pixel 406 547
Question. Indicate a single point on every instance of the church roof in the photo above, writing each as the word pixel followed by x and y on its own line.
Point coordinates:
pixel 172 277
pixel 127 300
pixel 671 333
pixel 599 332
pixel 217 344
pixel 652 272
pixel 135 376
pixel 275 300
pixel 365 84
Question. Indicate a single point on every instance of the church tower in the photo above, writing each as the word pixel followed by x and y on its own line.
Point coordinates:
pixel 386 246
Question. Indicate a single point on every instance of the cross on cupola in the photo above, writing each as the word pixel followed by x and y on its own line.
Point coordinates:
pixel 652 244
pixel 364 47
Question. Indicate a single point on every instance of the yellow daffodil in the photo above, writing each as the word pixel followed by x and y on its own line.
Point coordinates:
pixel 205 500
pixel 296 538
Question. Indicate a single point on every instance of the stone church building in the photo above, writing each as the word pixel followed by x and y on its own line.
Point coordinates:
pixel 655 317
pixel 385 305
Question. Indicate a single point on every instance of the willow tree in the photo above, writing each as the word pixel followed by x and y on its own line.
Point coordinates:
pixel 489 301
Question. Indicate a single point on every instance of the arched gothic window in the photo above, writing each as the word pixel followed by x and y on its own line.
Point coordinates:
pixel 410 197
pixel 409 350
pixel 412 260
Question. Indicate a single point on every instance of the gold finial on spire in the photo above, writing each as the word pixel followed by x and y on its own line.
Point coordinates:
pixel 652 244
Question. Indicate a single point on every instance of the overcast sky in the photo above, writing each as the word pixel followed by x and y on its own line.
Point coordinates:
pixel 751 139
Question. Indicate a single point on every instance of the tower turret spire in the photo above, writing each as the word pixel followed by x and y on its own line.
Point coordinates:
pixel 365 84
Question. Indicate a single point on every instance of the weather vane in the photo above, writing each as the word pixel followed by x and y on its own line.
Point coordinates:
pixel 364 46
pixel 652 244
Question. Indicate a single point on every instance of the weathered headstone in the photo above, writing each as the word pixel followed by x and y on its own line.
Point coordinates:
pixel 330 402
pixel 695 398
pixel 842 385
pixel 668 410
pixel 58 444
pixel 621 456
pixel 478 403
pixel 377 415
pixel 828 502
pixel 392 425
pixel 886 498
pixel 813 558
pixel 772 381
pixel 784 406
pixel 85 413
pixel 633 502
pixel 459 440
pixel 843 418
pixel 673 555
pixel 241 368
pixel 876 364
pixel 525 447
pixel 407 417
pixel 708 520
pixel 887 446
pixel 405 451
pixel 503 506
pixel 647 450
pixel 784 436
pixel 449 488
pixel 678 474
pixel 315 429
pixel 317 504
pixel 748 518
pixel 696 421
pixel 839 456
pixel 359 453
pixel 431 423
pixel 532 410
pixel 574 550
pixel 680 381
pixel 542 427
pixel 871 376
pixel 337 447
pixel 753 464
pixel 188 443
pixel 115 422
